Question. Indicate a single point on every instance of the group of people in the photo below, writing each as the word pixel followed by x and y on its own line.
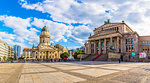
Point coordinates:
pixel 41 60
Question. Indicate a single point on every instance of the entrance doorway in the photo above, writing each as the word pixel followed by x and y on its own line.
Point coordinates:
pixel 121 57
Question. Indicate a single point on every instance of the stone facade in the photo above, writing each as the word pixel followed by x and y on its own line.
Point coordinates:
pixel 118 36
pixel 27 53
pixel 145 45
pixel 46 51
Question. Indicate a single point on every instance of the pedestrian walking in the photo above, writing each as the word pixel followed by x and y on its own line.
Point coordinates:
pixel 119 60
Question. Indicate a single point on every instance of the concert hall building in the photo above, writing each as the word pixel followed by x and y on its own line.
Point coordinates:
pixel 117 40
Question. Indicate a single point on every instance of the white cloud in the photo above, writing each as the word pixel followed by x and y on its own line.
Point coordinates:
pixel 10 39
pixel 24 33
pixel 19 27
pixel 59 31
pixel 6 35
pixel 92 12
pixel 72 47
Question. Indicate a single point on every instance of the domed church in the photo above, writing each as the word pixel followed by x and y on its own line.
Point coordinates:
pixel 46 51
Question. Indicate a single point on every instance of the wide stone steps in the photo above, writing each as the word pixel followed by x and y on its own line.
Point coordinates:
pixel 103 57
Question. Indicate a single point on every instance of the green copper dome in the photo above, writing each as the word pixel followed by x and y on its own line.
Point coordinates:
pixel 45 28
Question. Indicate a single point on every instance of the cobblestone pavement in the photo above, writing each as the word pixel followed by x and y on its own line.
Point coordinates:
pixel 80 72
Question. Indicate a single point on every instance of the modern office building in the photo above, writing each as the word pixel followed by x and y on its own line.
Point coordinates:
pixel 17 50
pixel 4 51
pixel 11 52
pixel 117 40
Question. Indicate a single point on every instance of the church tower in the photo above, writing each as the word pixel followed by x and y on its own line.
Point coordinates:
pixel 45 36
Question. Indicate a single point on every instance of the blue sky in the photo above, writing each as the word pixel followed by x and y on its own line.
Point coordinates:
pixel 70 22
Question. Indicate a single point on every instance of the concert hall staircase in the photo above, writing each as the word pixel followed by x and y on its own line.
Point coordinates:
pixel 97 57
pixel 100 57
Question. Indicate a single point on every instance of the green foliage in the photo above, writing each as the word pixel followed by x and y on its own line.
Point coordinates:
pixel 64 55
pixel 22 57
pixel 4 57
pixel 10 58
pixel 78 52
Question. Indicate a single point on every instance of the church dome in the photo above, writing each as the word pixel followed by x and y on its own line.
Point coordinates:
pixel 45 28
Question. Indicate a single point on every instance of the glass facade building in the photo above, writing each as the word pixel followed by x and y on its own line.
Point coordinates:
pixel 17 50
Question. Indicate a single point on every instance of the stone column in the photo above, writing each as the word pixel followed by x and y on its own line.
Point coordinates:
pixel 117 48
pixel 122 46
pixel 29 54
pixel 99 46
pixel 26 54
pixel 111 41
pixel 39 55
pixel 105 45
pixel 89 47
pixel 94 47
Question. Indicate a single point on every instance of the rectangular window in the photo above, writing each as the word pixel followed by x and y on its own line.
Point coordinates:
pixel 113 42
pixel 126 41
pixel 107 43
pixel 117 28
pixel 92 45
pixel 148 43
pixel 129 41
pixel 143 43
pixel 102 44
pixel 126 48
pixel 97 45
pixel 132 47
pixel 129 47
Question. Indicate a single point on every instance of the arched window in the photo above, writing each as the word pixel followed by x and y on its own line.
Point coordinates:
pixel 132 47
pixel 56 56
pixel 117 28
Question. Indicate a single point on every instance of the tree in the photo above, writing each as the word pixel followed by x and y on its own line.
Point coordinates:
pixel 64 55
pixel 78 52
pixel 10 58
pixel 22 57
pixel 4 58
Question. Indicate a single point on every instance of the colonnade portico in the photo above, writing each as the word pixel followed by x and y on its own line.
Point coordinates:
pixel 102 45
pixel 46 55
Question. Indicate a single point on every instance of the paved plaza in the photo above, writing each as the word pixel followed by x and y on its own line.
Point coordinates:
pixel 75 72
